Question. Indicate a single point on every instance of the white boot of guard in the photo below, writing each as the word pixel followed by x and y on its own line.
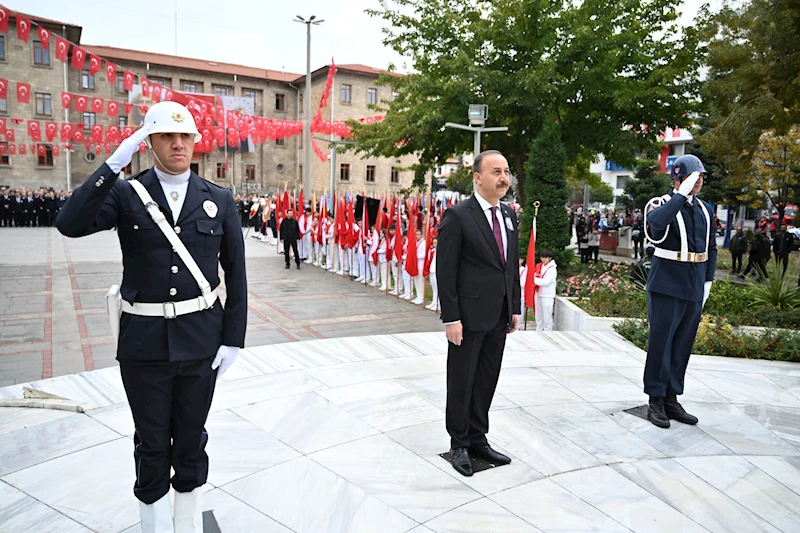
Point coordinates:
pixel 157 516
pixel 189 512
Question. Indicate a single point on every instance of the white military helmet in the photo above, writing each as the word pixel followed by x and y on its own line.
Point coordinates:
pixel 171 117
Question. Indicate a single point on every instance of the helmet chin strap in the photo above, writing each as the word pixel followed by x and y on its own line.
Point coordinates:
pixel 161 165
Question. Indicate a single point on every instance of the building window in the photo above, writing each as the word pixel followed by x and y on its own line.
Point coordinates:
pixel 280 142
pixel 44 104
pixel 41 55
pixel 370 173
pixel 249 93
pixel 4 160
pixel 344 172
pixel 2 47
pixel 222 90
pixel 3 105
pixel 123 121
pixel 280 102
pixel 250 172
pixel 220 171
pixel 88 121
pixel 160 81
pixel 346 90
pixel 189 87
pixel 372 95
pixel 622 182
pixel 87 80
pixel 395 175
pixel 676 149
pixel 46 159
pixel 121 84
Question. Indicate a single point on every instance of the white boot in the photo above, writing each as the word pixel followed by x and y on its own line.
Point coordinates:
pixel 189 512
pixel 156 517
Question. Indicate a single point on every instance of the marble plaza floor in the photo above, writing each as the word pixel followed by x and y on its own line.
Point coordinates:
pixel 343 435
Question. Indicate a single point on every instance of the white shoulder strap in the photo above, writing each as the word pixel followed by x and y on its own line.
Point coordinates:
pixel 161 221
pixel 708 223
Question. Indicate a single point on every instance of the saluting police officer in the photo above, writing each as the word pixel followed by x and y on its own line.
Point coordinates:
pixel 678 284
pixel 169 363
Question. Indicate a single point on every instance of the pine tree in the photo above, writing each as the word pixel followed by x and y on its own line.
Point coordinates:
pixel 547 183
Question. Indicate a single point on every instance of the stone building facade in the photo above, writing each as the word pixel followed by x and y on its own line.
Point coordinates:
pixel 275 94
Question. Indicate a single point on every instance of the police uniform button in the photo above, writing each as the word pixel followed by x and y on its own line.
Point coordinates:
pixel 173 292
pixel 174 270
pixel 177 230
pixel 212 232
pixel 98 183
pixel 135 226
pixel 174 250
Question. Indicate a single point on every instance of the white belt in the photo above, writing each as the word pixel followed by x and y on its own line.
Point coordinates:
pixel 171 310
pixel 683 257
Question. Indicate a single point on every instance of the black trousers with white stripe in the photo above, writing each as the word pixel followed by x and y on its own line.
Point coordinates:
pixel 170 404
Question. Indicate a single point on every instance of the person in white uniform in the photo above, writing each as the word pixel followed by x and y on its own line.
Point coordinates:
pixel 545 281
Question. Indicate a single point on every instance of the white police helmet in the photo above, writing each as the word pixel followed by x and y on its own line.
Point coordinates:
pixel 171 117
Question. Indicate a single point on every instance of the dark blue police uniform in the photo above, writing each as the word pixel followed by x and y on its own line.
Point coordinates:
pixel 675 292
pixel 166 363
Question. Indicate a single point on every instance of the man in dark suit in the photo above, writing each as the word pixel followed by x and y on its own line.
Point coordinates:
pixel 175 338
pixel 6 208
pixel 290 234
pixel 477 265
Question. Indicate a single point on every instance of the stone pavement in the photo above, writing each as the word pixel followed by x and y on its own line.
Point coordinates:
pixel 343 435
pixel 52 307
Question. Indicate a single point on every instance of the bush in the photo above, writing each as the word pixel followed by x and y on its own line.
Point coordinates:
pixel 728 299
pixel 776 291
pixel 767 317
pixel 636 331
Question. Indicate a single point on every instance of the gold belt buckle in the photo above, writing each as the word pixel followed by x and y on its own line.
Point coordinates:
pixel 699 257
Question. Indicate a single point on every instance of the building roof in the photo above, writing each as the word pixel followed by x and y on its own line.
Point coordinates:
pixel 191 63
pixel 36 18
pixel 350 67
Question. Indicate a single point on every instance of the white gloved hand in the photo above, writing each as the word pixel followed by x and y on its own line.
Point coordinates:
pixel 706 291
pixel 688 184
pixel 226 355
pixel 122 156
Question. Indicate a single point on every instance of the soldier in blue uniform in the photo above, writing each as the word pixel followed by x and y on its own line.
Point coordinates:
pixel 175 338
pixel 680 225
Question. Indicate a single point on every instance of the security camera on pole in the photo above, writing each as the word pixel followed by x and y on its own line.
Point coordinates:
pixel 477 114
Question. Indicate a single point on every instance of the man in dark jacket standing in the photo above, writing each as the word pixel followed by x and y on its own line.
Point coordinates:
pixel 290 234
pixel 759 255
pixel 782 246
pixel 738 249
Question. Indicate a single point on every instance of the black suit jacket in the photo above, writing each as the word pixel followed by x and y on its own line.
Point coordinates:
pixel 148 260
pixel 472 278
pixel 290 230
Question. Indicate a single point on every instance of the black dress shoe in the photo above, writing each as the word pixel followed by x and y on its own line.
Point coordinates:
pixel 488 454
pixel 461 462
pixel 298 266
pixel 675 411
pixel 655 412
pixel 287 267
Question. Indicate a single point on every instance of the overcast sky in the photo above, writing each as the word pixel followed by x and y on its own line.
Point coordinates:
pixel 258 33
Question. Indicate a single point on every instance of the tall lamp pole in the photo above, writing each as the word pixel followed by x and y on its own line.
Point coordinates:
pixel 477 115
pixel 307 184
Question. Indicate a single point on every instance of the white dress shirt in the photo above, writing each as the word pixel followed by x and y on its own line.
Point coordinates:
pixel 170 183
pixel 486 206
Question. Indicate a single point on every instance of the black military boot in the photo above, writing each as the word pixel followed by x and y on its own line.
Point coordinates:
pixel 675 411
pixel 656 414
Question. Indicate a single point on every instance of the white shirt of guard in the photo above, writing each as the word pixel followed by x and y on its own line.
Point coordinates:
pixel 174 184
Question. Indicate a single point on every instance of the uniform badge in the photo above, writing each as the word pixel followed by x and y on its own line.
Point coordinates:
pixel 210 208
pixel 177 117
pixel 509 225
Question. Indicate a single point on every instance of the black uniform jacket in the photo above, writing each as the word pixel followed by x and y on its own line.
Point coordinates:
pixel 674 278
pixel 290 230
pixel 473 281
pixel 152 268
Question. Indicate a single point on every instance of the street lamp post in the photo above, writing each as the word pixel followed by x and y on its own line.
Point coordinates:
pixel 477 114
pixel 307 184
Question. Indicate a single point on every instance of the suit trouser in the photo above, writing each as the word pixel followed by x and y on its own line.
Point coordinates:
pixel 673 327
pixel 286 246
pixel 8 216
pixel 544 312
pixel 472 372
pixel 169 403
pixel 736 258
pixel 783 258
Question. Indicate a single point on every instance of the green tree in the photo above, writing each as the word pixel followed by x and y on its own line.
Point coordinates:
pixel 596 67
pixel 461 181
pixel 646 184
pixel 602 193
pixel 545 166
pixel 774 172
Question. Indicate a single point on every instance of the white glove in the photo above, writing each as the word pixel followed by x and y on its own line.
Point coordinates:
pixel 226 355
pixel 122 156
pixel 706 291
pixel 688 184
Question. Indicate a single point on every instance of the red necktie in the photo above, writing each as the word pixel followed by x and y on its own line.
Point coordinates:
pixel 498 234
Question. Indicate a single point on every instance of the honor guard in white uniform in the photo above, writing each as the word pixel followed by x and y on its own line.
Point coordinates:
pixel 680 226
pixel 175 338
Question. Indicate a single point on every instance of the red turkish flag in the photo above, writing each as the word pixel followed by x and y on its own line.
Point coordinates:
pixel 23 92
pixel 127 80
pixel 142 147
pixel 3 89
pixel 2 149
pixel 23 28
pixel 97 133
pixel 157 92
pixel 62 48
pixel 78 57
pixel 94 64
pixel 79 136
pixel 127 131
pixel 51 130
pixel 12 149
pixel 44 36
pixel 4 15
pixel 112 134
pixel 22 149
pixel 34 130
pixel 113 108
pixel 10 136
pixel 145 87
pixel 128 107
pixel 168 94
pixel 98 104
pixel 66 99
pixel 97 149
pixel 66 132
pixel 81 102
pixel 111 73
pixel 55 150
pixel 40 149
pixel 2 126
